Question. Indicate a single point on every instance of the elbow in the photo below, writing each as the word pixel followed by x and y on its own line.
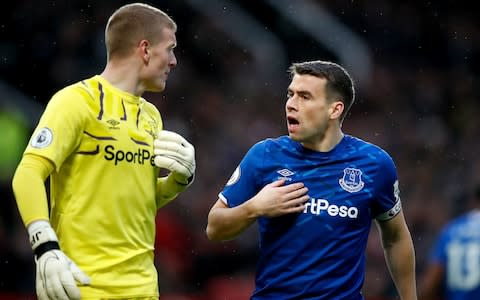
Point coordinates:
pixel 212 234
pixel 214 228
pixel 16 182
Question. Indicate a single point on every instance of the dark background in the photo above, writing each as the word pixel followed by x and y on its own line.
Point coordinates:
pixel 416 65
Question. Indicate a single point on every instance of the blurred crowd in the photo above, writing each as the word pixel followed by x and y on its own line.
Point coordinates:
pixel 419 102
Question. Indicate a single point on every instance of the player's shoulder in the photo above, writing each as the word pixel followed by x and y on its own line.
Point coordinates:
pixel 368 149
pixel 152 111
pixel 150 108
pixel 464 221
pixel 263 146
pixel 273 144
pixel 278 142
pixel 71 97
pixel 258 152
pixel 80 89
pixel 454 228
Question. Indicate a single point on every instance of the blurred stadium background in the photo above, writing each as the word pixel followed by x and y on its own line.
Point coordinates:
pixel 416 64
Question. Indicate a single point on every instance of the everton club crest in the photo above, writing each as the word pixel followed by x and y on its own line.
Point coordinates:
pixel 351 180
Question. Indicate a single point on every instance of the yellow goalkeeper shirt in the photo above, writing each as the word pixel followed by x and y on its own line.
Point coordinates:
pixel 102 191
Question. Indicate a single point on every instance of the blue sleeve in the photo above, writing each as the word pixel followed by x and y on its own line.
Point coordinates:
pixel 386 202
pixel 245 182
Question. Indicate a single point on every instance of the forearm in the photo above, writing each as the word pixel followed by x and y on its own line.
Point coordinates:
pixel 227 223
pixel 400 258
pixel 29 188
pixel 168 189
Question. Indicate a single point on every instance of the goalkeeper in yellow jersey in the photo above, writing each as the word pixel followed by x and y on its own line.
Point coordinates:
pixel 102 145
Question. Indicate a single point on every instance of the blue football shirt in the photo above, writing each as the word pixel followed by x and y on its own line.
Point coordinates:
pixel 317 254
pixel 458 251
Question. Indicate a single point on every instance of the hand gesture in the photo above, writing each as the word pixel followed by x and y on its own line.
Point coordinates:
pixel 176 154
pixel 276 199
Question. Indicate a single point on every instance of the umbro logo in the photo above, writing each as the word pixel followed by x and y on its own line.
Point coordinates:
pixel 285 174
pixel 113 124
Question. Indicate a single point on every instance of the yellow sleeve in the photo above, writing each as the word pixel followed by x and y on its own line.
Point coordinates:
pixel 29 187
pixel 168 189
pixel 61 126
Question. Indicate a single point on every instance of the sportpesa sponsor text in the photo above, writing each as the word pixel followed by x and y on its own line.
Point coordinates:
pixel 317 206
pixel 141 156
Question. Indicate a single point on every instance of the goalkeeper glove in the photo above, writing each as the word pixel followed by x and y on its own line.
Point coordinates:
pixel 176 154
pixel 56 273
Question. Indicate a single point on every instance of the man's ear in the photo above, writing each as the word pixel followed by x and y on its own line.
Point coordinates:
pixel 144 50
pixel 336 109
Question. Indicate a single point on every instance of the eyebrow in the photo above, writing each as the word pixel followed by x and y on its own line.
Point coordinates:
pixel 301 92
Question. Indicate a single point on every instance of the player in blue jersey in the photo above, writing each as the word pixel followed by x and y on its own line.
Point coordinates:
pixel 453 272
pixel 314 194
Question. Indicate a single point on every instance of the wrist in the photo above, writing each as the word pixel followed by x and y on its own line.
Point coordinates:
pixel 45 247
pixel 42 237
pixel 251 209
pixel 182 180
pixel 169 187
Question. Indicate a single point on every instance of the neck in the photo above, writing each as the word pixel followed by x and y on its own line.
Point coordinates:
pixel 327 142
pixel 124 75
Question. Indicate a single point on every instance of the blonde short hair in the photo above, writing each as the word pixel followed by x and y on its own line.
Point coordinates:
pixel 132 23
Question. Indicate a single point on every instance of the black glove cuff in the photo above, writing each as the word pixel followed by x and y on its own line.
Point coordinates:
pixel 189 180
pixel 42 248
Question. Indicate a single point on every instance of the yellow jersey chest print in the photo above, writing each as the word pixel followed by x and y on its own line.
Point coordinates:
pixel 120 141
pixel 120 131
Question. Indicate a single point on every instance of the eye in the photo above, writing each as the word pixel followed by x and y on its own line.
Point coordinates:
pixel 171 48
pixel 305 96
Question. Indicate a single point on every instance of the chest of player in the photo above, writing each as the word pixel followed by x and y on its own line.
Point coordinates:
pixel 119 140
pixel 339 192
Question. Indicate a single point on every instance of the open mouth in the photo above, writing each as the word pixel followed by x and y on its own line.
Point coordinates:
pixel 292 121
